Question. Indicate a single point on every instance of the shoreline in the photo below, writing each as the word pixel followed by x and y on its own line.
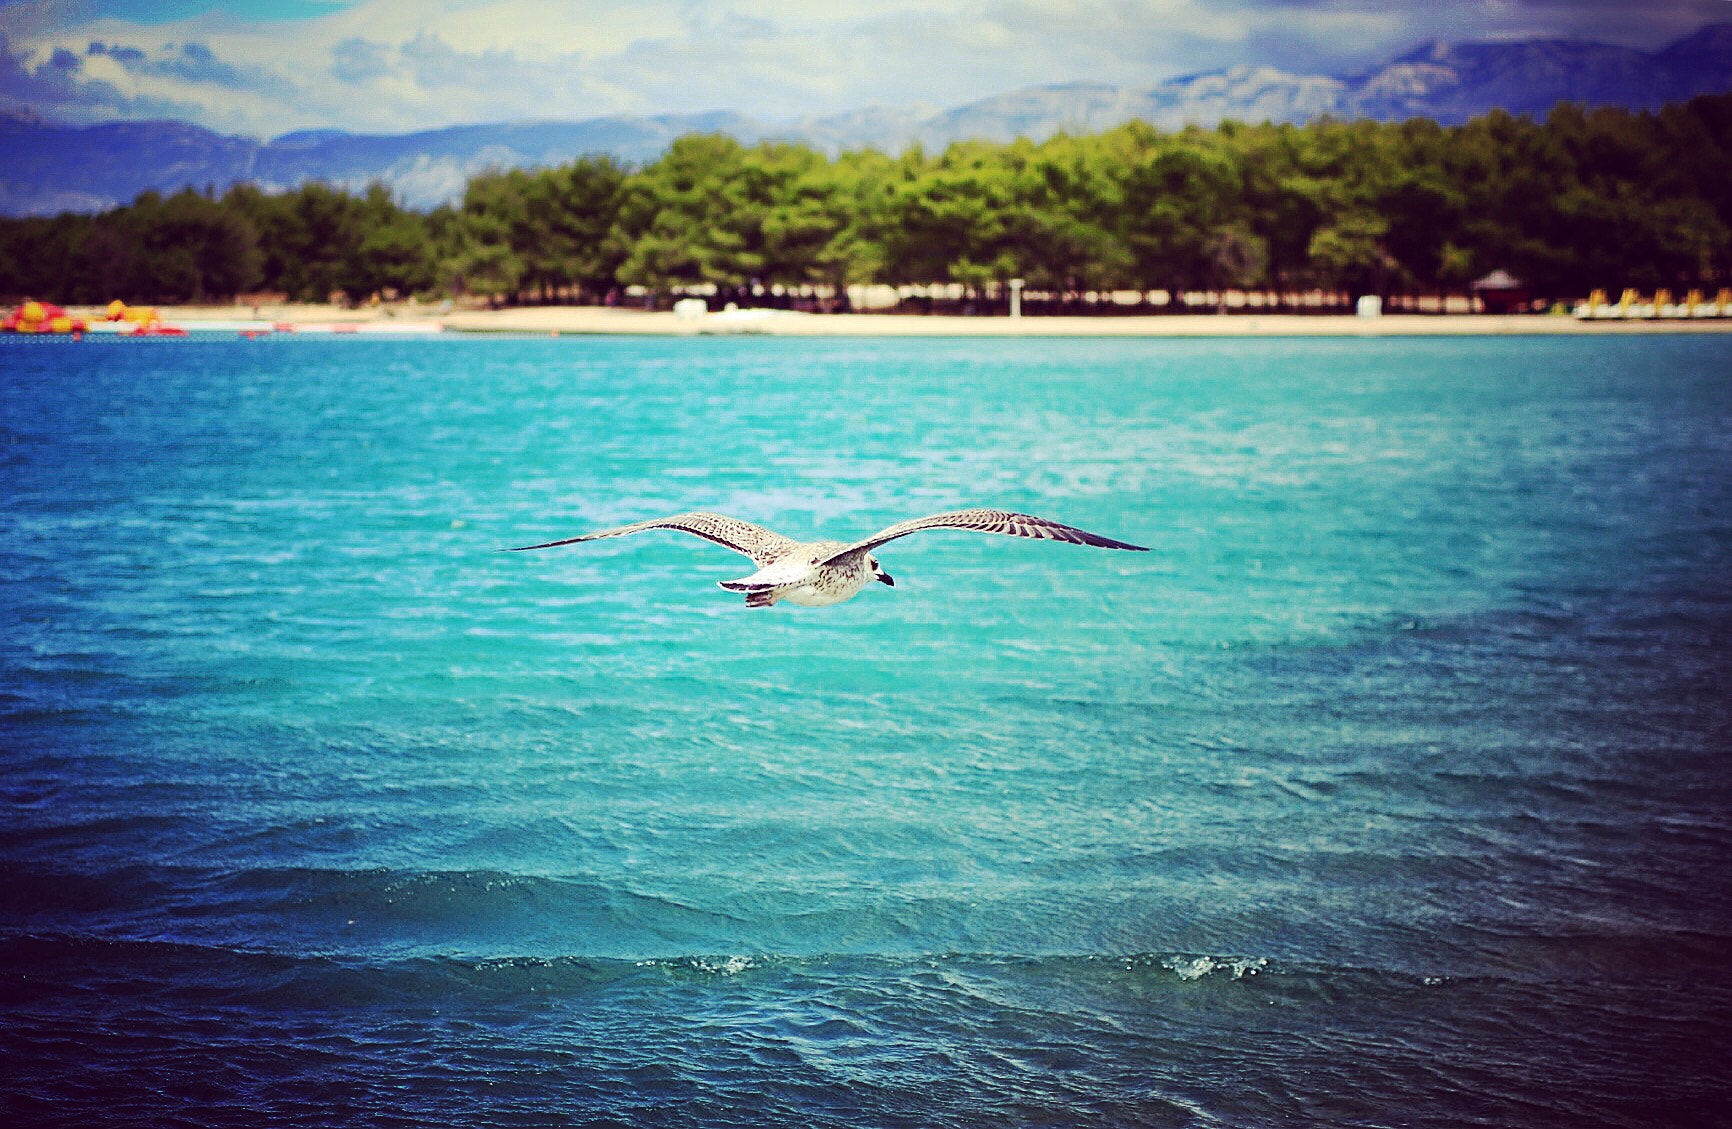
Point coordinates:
pixel 602 320
pixel 587 320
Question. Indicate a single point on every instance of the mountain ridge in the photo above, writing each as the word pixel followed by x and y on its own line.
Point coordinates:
pixel 52 168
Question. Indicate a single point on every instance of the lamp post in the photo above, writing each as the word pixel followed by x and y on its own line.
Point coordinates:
pixel 1016 297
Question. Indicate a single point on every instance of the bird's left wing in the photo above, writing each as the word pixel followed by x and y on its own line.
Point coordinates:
pixel 754 541
pixel 1003 522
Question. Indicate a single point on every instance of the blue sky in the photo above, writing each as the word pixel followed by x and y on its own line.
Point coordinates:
pixel 148 12
pixel 265 68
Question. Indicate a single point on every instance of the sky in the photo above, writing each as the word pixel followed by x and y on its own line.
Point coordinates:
pixel 268 67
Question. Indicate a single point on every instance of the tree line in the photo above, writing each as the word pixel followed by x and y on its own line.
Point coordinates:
pixel 1602 198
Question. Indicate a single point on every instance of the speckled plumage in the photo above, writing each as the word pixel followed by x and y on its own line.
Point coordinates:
pixel 820 573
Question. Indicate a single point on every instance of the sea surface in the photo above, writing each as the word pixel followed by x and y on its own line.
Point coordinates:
pixel 1391 789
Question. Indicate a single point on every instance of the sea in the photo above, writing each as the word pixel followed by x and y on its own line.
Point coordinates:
pixel 1393 787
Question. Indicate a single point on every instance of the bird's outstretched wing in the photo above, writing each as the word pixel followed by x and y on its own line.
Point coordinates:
pixel 990 521
pixel 754 541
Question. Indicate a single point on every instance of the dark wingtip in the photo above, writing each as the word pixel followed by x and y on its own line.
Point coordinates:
pixel 543 545
pixel 1100 542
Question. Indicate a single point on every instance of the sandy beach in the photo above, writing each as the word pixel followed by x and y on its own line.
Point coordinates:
pixel 609 320
pixel 781 323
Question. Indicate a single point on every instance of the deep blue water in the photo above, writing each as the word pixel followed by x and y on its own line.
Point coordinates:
pixel 1391 789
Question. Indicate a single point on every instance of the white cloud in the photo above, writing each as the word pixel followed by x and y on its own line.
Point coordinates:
pixel 394 65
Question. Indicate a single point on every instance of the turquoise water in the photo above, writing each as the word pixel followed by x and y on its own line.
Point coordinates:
pixel 1390 789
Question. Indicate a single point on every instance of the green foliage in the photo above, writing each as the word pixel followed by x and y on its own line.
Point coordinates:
pixel 696 215
pixel 310 232
pixel 187 247
pixel 1584 199
pixel 1352 250
pixel 392 250
pixel 575 211
pixel 478 257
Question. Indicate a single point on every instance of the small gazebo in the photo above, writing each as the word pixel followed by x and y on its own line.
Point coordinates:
pixel 1501 292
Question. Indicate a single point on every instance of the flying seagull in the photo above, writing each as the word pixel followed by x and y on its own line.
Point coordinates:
pixel 815 574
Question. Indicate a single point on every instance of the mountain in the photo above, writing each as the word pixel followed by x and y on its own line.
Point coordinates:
pixel 50 168
pixel 1449 83
pixel 431 167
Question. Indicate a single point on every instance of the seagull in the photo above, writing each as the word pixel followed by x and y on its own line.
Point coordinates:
pixel 816 574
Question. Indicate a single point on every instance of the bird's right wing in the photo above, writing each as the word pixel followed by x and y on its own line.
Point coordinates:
pixel 754 541
pixel 1003 522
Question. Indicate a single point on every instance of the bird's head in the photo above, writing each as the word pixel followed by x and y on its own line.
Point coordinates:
pixel 878 572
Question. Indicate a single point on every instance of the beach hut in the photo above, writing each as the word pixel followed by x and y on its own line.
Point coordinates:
pixel 1501 292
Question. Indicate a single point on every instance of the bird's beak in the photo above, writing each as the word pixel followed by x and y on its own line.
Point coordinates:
pixel 886 578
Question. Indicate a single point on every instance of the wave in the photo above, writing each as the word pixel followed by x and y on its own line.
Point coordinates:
pixel 118 965
pixel 329 910
pixel 117 962
pixel 382 914
pixel 173 1031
